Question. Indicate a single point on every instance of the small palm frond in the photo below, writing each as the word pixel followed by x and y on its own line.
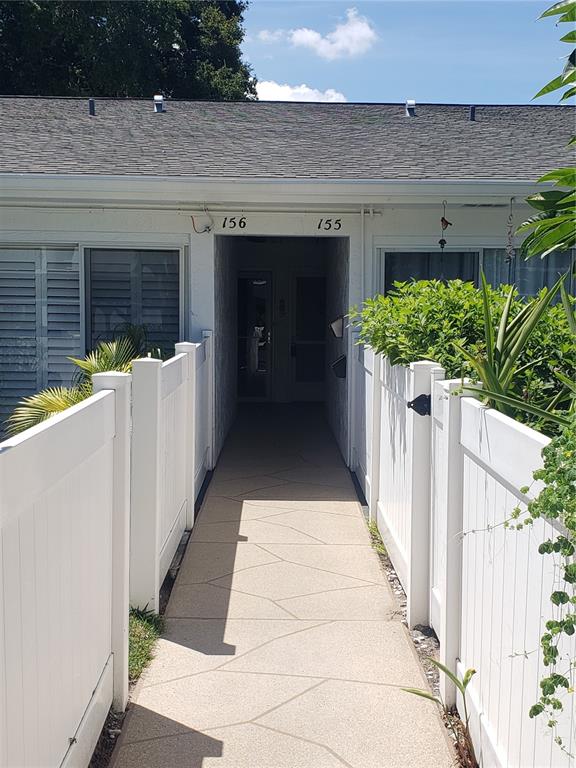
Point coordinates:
pixel 37 408
pixel 108 356
pixel 137 335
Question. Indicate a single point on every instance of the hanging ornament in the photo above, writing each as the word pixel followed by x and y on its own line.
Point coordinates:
pixel 510 245
pixel 444 223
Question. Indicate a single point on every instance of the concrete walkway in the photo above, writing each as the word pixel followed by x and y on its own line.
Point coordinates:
pixel 282 639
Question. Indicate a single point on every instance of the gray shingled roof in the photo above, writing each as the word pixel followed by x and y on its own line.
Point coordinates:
pixel 281 140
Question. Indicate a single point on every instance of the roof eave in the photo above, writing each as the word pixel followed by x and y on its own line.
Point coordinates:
pixel 168 191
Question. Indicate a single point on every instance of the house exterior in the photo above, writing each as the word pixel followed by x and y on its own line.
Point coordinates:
pixel 262 222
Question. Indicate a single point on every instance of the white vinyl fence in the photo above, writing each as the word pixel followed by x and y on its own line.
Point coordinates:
pixel 64 493
pixel 171 453
pixel 506 588
pixel 367 405
pixel 93 504
pixel 446 482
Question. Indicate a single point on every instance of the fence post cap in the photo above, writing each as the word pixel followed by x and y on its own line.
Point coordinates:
pixel 424 364
pixel 151 361
pixel 110 380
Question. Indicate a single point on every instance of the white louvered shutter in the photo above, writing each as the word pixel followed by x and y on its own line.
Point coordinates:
pixel 39 321
pixel 63 315
pixel 137 287
pixel 20 325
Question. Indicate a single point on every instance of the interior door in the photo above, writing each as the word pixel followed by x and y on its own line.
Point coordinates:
pixel 308 337
pixel 254 335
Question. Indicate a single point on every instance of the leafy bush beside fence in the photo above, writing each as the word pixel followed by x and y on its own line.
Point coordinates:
pixel 430 319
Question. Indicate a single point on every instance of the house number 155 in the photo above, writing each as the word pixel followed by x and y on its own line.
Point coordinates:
pixel 327 224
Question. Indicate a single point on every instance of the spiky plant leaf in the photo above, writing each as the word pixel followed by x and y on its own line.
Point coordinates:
pixel 108 356
pixel 424 695
pixel 449 674
pixel 43 405
pixel 515 402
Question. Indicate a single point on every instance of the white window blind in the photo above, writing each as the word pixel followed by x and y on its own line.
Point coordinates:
pixel 406 266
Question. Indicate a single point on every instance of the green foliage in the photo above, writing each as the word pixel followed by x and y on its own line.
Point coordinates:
pixel 496 366
pixel 37 408
pixel 450 323
pixel 553 228
pixel 464 745
pixel 556 503
pixel 422 320
pixel 188 49
pixel 376 538
pixel 108 356
pixel 144 630
pixel 137 335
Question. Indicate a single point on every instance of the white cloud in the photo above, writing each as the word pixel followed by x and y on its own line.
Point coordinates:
pixel 271 35
pixel 268 90
pixel 352 37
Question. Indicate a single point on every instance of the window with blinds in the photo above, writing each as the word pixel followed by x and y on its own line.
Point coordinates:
pixel 528 276
pixel 136 287
pixel 406 266
pixel 40 320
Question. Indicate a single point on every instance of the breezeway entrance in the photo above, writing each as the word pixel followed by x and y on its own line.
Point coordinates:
pixel 276 298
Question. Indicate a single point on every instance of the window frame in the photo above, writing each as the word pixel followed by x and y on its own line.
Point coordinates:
pixel 381 248
pixel 379 276
pixel 183 280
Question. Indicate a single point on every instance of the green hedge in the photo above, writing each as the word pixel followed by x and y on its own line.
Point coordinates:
pixel 422 320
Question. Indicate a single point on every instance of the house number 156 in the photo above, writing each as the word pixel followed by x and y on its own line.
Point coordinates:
pixel 327 224
pixel 231 222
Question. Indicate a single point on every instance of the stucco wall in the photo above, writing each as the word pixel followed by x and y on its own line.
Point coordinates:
pixel 225 350
pixel 337 266
pixel 401 220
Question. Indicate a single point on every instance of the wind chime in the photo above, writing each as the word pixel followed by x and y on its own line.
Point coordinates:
pixel 510 245
pixel 444 223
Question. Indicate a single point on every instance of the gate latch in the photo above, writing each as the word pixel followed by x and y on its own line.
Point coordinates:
pixel 420 404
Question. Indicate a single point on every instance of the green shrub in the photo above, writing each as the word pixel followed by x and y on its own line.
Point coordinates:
pixel 429 319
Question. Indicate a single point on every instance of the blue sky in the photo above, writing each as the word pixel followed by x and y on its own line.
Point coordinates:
pixel 454 51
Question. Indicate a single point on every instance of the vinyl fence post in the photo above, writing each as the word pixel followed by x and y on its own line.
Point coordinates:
pixel 209 337
pixel 418 592
pixel 121 384
pixel 145 484
pixel 190 350
pixel 376 424
pixel 450 571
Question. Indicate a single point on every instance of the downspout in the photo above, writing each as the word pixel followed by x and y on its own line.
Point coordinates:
pixel 352 361
pixel 363 251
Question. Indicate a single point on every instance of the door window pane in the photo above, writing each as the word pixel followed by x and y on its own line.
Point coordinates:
pixel 138 288
pixel 253 336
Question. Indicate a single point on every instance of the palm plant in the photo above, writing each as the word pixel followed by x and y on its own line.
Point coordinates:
pixel 43 405
pixel 553 228
pixel 498 366
pixel 108 356
pixel 137 335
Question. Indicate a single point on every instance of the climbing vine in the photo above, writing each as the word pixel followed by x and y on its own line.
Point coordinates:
pixel 556 503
